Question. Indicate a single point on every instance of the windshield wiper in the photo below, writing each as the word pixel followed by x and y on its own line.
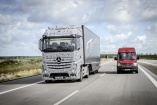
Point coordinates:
pixel 67 50
pixel 49 49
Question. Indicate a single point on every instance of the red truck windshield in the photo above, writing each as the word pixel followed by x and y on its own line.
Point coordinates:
pixel 127 55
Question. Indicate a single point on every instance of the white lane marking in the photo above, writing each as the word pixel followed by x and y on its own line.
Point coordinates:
pixel 150 77
pixel 148 63
pixel 19 87
pixel 59 102
pixel 102 75
pixel 106 62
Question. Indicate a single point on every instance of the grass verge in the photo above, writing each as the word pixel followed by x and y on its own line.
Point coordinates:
pixel 18 68
pixel 18 74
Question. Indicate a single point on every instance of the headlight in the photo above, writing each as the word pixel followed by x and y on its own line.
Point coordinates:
pixel 74 67
pixel 135 64
pixel 119 64
pixel 44 69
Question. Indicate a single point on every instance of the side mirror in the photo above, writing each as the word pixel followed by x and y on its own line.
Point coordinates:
pixel 115 58
pixel 138 57
pixel 40 44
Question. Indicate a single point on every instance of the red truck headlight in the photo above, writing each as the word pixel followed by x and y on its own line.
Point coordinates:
pixel 119 64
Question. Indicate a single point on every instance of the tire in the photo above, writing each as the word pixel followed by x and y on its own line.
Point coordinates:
pixel 118 72
pixel 81 77
pixel 48 81
pixel 87 76
pixel 96 71
pixel 137 71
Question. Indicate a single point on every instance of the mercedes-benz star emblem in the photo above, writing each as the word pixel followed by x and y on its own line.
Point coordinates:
pixel 58 59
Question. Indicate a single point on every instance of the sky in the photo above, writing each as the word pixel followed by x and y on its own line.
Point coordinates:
pixel 118 23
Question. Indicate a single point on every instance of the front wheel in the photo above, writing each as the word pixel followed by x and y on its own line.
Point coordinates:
pixel 81 76
pixel 97 71
pixel 118 71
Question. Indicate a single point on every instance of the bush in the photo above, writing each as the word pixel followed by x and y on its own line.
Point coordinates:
pixel 12 65
pixel 9 62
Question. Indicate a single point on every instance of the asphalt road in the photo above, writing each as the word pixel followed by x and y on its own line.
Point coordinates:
pixel 104 88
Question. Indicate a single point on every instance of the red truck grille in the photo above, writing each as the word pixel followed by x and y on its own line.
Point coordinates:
pixel 127 64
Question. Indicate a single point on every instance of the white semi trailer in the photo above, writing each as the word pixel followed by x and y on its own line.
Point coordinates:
pixel 69 53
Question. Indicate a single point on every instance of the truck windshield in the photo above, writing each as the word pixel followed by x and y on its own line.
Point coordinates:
pixel 127 55
pixel 58 44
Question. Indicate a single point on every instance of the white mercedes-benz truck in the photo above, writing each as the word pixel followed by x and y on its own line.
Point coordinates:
pixel 69 53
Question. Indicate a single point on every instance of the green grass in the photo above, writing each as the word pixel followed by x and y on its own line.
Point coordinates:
pixel 151 57
pixel 14 65
pixel 18 68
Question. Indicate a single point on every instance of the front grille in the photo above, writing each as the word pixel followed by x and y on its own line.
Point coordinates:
pixel 63 59
pixel 127 64
pixel 63 64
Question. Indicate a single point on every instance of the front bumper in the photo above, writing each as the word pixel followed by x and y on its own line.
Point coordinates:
pixel 59 76
pixel 127 68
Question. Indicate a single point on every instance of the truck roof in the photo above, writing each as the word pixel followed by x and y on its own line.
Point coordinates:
pixel 63 30
pixel 126 49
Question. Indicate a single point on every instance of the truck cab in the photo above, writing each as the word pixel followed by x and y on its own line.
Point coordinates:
pixel 127 60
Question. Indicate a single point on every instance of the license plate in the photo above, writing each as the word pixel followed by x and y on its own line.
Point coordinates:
pixel 58 77
pixel 127 69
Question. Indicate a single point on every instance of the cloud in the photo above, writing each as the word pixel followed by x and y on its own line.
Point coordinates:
pixel 118 37
pixel 150 13
pixel 112 29
pixel 141 38
pixel 142 44
pixel 118 12
pixel 28 25
pixel 119 23
pixel 58 12
pixel 152 29
pixel 20 40
pixel 81 12
pixel 5 19
pixel 90 27
pixel 123 28
pixel 111 43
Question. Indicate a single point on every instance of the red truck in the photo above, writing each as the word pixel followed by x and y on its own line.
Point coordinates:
pixel 127 60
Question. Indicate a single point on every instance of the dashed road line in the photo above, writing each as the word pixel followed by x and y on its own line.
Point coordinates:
pixel 106 62
pixel 20 87
pixel 59 102
pixel 102 75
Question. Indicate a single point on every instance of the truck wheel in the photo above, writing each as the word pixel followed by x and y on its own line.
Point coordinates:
pixel 81 76
pixel 48 81
pixel 96 71
pixel 87 74
pixel 118 71
pixel 137 71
